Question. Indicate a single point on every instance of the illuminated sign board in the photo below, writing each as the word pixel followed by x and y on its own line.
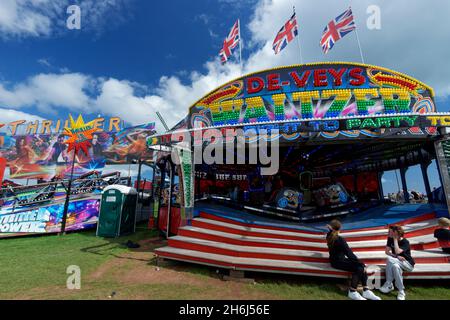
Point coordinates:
pixel 377 126
pixel 313 91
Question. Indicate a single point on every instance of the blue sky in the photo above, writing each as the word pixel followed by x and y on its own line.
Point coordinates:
pixel 134 57
pixel 163 55
pixel 153 38
pixel 130 41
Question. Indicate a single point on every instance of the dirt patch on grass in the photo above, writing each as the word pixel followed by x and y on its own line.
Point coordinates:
pixel 144 254
pixel 137 268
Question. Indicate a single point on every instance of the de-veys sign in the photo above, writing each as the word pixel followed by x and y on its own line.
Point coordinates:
pixel 323 90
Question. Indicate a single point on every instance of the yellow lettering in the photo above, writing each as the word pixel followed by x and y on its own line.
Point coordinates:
pixel 98 123
pixel 114 122
pixel 433 119
pixel 305 96
pixel 14 126
pixel 46 126
pixel 58 125
pixel 32 127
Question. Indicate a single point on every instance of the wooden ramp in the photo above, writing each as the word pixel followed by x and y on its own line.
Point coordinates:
pixel 226 243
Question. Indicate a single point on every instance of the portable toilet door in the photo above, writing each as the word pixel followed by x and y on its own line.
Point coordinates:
pixel 111 210
pixel 128 216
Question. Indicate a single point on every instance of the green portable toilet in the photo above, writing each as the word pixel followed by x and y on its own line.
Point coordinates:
pixel 117 211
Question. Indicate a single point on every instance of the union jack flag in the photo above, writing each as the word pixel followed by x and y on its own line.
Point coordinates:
pixel 337 29
pixel 230 42
pixel 286 34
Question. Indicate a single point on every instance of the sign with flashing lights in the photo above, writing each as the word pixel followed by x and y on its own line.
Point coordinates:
pixel 378 126
pixel 313 91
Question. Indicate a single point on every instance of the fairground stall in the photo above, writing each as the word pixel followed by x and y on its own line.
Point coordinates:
pixel 292 148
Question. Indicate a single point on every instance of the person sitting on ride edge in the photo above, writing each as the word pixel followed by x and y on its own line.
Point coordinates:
pixel 442 234
pixel 343 258
pixel 399 259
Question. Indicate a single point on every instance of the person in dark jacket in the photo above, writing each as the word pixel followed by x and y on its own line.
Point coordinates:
pixel 399 259
pixel 442 234
pixel 343 258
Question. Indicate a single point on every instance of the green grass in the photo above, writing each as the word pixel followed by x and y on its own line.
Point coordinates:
pixel 306 289
pixel 33 262
pixel 325 289
pixel 35 268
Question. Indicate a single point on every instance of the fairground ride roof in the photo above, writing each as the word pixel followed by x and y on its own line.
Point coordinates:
pixel 321 101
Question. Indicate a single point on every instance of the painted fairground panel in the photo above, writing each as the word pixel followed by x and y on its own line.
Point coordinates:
pixel 45 155
pixel 82 214
pixel 38 208
pixel 39 150
pixel 317 95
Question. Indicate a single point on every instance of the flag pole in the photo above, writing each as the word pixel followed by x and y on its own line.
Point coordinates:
pixel 298 39
pixel 240 47
pixel 357 39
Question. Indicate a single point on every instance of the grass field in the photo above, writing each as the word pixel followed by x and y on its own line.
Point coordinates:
pixel 35 268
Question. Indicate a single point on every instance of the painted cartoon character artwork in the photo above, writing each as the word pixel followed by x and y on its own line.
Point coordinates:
pixel 331 195
pixel 129 144
pixel 289 199
pixel 43 156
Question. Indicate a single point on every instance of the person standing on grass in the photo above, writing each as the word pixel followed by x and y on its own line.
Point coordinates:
pixel 343 258
pixel 442 234
pixel 399 259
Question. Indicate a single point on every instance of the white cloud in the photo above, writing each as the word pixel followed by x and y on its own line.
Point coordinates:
pixel 402 44
pixel 410 41
pixel 46 91
pixel 17 17
pixel 44 62
pixel 79 93
pixel 35 18
pixel 118 98
pixel 203 17
pixel 207 21
pixel 10 115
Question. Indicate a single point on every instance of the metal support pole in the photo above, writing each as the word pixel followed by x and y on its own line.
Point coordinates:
pixel 138 187
pixel 424 164
pixel 169 207
pixel 163 178
pixel 426 180
pixel 404 185
pixel 153 182
pixel 66 203
pixel 380 185
pixel 443 168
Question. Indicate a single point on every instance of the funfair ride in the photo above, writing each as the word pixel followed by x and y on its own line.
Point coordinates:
pixel 337 127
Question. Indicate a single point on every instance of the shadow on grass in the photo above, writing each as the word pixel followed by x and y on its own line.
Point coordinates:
pixel 148 240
